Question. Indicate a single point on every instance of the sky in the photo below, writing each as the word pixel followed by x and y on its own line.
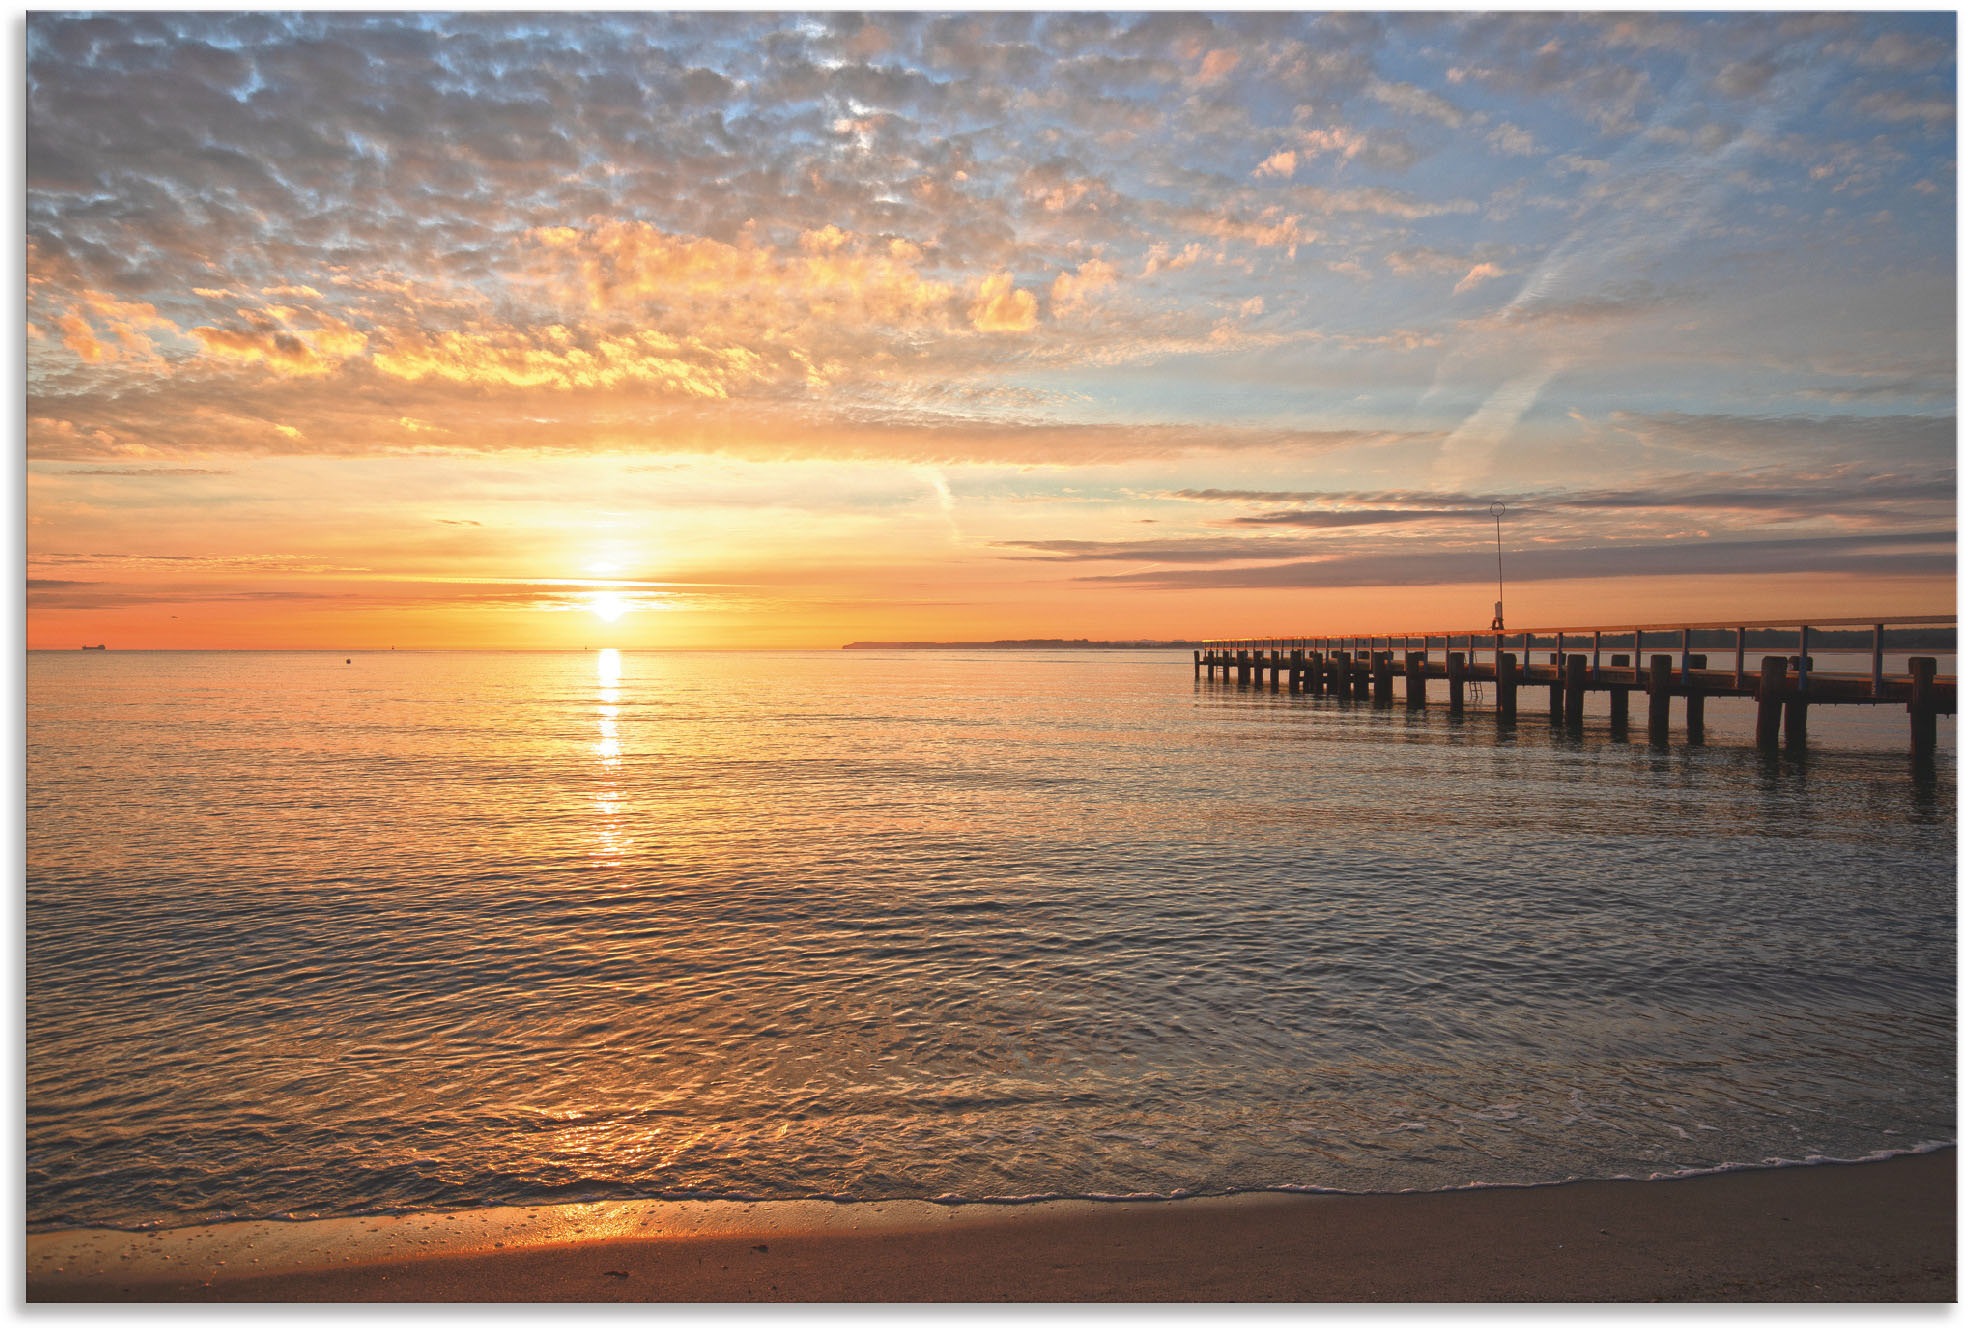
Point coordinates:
pixel 725 330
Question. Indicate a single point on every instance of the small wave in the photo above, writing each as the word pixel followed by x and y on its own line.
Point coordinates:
pixel 624 1195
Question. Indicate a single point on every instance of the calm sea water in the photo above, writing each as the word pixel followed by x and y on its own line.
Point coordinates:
pixel 425 931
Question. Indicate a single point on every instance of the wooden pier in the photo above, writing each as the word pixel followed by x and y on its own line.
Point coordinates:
pixel 1569 662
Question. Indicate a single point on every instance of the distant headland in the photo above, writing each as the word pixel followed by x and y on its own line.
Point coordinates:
pixel 1047 643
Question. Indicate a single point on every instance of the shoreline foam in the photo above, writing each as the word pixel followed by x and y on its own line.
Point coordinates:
pixel 1874 1230
pixel 690 1202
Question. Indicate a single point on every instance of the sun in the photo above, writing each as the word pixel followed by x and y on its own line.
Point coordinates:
pixel 607 605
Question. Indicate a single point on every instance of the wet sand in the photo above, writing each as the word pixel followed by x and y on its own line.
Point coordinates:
pixel 1873 1231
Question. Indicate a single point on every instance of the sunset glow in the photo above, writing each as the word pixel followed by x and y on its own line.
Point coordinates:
pixel 608 606
pixel 735 330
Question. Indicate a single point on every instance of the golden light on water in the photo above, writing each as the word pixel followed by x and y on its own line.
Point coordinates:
pixel 610 803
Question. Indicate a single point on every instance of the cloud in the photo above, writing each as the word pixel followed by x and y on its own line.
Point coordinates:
pixel 1412 100
pixel 1218 65
pixel 1153 551
pixel 1001 306
pixel 100 328
pixel 1279 164
pixel 1341 520
pixel 146 472
pixel 281 352
pixel 1899 106
pixel 830 276
pixel 1070 290
pixel 889 235
pixel 1511 141
pixel 1918 554
pixel 1396 498
pixel 561 360
pixel 1476 276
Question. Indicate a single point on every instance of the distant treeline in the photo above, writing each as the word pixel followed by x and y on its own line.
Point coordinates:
pixel 1045 643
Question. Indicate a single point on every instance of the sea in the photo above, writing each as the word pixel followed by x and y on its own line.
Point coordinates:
pixel 317 935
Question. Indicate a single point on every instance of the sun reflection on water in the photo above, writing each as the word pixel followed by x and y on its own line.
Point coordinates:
pixel 610 803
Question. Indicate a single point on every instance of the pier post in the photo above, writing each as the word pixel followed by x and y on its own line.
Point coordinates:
pixel 1506 687
pixel 1417 674
pixel 1455 681
pixel 1796 707
pixel 1383 678
pixel 1315 672
pixel 1660 681
pixel 1695 699
pixel 1574 690
pixel 1363 676
pixel 1557 686
pixel 1920 705
pixel 1769 699
pixel 1616 695
pixel 1277 666
pixel 1337 665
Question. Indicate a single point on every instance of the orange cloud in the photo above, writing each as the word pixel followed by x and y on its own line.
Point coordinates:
pixel 834 276
pixel 1071 289
pixel 1271 229
pixel 98 328
pixel 280 351
pixel 1476 276
pixel 1280 164
pixel 1217 66
pixel 1001 306
pixel 563 360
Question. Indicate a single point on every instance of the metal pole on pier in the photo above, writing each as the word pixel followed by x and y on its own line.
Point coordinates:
pixel 1496 622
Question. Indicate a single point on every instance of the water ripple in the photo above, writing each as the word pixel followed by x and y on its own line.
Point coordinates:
pixel 455 930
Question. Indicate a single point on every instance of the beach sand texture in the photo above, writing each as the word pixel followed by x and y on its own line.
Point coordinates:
pixel 1875 1231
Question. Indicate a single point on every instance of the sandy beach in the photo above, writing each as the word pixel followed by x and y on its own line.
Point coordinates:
pixel 1874 1231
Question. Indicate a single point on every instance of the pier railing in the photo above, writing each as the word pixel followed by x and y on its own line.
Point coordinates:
pixel 1614 659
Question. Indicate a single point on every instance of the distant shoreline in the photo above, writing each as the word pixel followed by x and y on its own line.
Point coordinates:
pixel 1047 643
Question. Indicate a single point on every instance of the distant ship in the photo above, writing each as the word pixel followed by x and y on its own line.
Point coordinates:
pixel 95 647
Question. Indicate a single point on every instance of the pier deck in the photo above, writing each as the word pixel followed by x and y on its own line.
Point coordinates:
pixel 1571 662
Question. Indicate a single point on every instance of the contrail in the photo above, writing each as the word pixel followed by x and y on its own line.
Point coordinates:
pixel 1680 193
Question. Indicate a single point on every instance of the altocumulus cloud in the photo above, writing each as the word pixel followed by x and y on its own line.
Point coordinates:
pixel 991 236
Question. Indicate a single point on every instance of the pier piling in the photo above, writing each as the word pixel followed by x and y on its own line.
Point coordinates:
pixel 1417 676
pixel 1456 670
pixel 1660 684
pixel 1696 707
pixel 1920 706
pixel 1383 678
pixel 1796 712
pixel 1769 699
pixel 1506 687
pixel 1575 690
pixel 1616 695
